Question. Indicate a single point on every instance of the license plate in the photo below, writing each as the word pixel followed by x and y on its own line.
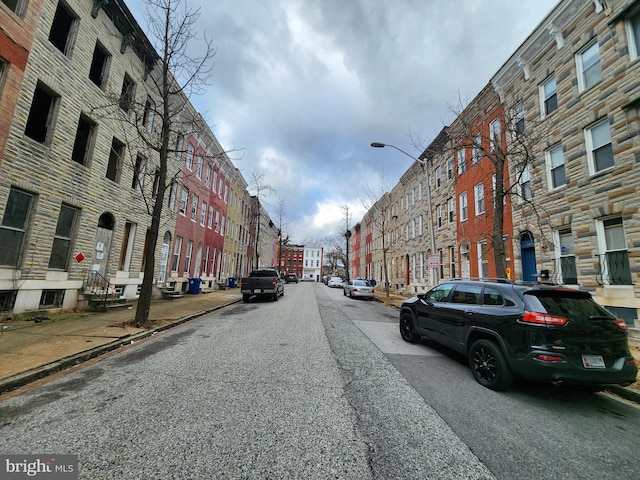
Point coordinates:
pixel 593 361
pixel 257 290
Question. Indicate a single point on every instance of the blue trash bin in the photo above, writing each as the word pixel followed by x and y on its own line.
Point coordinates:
pixel 194 285
pixel 232 282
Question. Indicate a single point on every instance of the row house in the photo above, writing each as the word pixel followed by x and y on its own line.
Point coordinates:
pixel 76 178
pixel 312 258
pixel 292 259
pixel 539 170
pixel 264 238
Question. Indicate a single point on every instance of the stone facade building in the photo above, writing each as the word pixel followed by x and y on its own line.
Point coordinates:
pixel 565 107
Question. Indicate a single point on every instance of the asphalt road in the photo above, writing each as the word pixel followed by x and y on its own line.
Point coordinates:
pixel 532 431
pixel 287 389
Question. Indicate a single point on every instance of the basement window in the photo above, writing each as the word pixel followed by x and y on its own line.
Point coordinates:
pixel 51 298
pixel 7 300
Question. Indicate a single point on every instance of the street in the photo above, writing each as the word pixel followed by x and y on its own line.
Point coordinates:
pixel 316 385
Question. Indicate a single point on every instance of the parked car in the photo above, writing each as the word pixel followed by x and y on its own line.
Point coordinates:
pixel 291 278
pixel 358 288
pixel 263 282
pixel 531 331
pixel 334 282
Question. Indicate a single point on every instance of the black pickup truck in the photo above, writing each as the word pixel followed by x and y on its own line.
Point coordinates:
pixel 263 282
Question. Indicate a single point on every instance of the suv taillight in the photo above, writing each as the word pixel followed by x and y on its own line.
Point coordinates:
pixel 620 323
pixel 544 319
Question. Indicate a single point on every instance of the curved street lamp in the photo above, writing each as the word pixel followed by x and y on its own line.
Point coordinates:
pixel 430 212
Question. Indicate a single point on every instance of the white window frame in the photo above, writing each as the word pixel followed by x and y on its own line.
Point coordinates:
pixel 544 96
pixel 554 159
pixel 464 207
pixel 595 65
pixel 632 25
pixel 592 147
pixel 478 196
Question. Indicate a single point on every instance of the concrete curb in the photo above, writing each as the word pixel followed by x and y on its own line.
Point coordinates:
pixel 25 378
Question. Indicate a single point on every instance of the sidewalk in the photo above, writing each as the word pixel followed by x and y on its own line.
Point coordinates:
pixel 33 349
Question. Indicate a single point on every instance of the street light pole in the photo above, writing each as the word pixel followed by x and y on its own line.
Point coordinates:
pixel 432 276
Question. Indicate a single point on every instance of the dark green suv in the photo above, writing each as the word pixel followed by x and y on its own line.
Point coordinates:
pixel 532 331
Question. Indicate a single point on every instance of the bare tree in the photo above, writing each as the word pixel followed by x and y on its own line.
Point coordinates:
pixel 260 192
pixel 494 131
pixel 379 206
pixel 283 230
pixel 157 123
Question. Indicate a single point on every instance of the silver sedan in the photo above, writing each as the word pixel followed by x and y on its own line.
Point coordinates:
pixel 358 288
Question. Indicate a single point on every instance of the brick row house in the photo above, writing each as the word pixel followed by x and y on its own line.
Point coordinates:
pixel 550 148
pixel 76 178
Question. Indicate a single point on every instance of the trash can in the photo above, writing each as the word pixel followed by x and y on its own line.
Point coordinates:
pixel 372 282
pixel 232 282
pixel 194 285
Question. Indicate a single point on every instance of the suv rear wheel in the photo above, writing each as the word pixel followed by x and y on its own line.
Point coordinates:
pixel 408 329
pixel 489 366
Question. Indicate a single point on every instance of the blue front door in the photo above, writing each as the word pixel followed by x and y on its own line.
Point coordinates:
pixel 528 252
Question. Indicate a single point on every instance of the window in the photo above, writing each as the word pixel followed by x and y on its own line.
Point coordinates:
pixel 566 258
pixel 183 200
pixel 62 28
pixel 439 210
pixel 40 120
pixel 16 6
pixel 51 298
pixel 588 65
pixel 126 250
pixel 13 229
pixel 189 159
pixel 548 97
pixel 148 115
pixel 463 206
pixel 217 224
pixel 199 167
pixel 492 296
pixel 526 193
pixel 114 166
pixel 478 195
pixel 187 256
pixel 518 118
pixel 476 154
pixel 421 225
pixel 614 260
pixel 483 262
pixel 138 174
pixel 555 168
pixel 599 149
pixel 494 132
pixel 194 207
pixel 84 141
pixel 222 219
pixel 215 180
pixel 210 220
pixel 177 250
pixel 452 260
pixel 99 66
pixel 207 176
pixel 413 228
pixel 128 93
pixel 462 161
pixel 173 193
pixel 62 238
pixel 633 33
pixel 467 294
pixel 203 213
pixel 438 177
pixel 452 208
pixel 156 183
pixel 450 168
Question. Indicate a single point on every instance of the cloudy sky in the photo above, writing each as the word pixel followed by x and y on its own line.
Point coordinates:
pixel 302 87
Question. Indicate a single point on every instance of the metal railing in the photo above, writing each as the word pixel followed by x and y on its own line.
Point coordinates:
pixel 614 268
pixel 96 284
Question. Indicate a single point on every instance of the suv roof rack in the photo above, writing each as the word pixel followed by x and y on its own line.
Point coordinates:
pixel 484 279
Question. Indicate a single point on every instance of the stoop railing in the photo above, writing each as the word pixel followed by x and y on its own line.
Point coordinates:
pixel 96 284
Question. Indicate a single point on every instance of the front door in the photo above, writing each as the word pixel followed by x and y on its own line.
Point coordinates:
pixel 102 244
pixel 528 253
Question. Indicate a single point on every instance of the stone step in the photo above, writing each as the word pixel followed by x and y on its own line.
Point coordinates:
pixel 633 334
